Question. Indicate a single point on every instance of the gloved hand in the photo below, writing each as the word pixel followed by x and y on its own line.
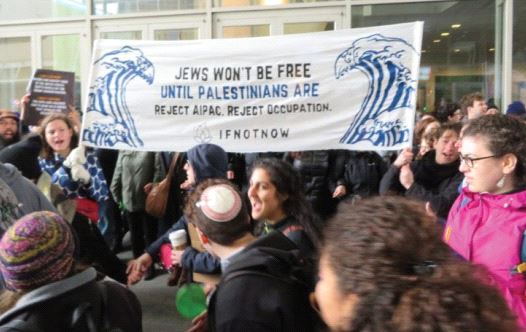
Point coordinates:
pixel 76 156
pixel 80 174
pixel 75 161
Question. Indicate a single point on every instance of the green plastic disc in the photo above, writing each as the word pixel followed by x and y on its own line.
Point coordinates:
pixel 190 300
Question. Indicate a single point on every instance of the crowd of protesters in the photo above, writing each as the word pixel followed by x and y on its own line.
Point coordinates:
pixel 428 239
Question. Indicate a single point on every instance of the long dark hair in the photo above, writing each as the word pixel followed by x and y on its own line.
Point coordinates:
pixel 47 152
pixel 388 252
pixel 288 184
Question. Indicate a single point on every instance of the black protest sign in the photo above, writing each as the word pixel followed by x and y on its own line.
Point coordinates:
pixel 51 92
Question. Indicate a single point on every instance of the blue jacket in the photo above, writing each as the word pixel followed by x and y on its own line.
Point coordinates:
pixel 208 161
pixel 192 260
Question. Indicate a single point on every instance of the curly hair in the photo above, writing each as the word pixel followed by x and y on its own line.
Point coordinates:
pixel 445 126
pixel 388 252
pixel 223 233
pixel 46 151
pixel 503 134
pixel 288 183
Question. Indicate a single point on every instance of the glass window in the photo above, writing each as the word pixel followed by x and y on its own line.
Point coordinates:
pixel 241 31
pixel 238 3
pixel 124 35
pixel 111 7
pixel 176 34
pixel 15 70
pixel 519 52
pixel 19 10
pixel 290 28
pixel 61 52
pixel 458 47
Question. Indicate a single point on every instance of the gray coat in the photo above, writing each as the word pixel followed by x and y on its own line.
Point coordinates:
pixel 28 195
pixel 133 171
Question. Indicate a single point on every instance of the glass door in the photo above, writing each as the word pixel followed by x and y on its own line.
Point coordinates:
pixel 65 52
pixel 15 70
pixel 277 22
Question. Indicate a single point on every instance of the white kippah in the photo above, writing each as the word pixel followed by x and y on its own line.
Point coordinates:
pixel 220 203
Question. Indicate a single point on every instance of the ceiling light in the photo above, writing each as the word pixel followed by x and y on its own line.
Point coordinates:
pixel 492 50
pixel 457 50
pixel 444 34
pixel 456 26
pixel 436 41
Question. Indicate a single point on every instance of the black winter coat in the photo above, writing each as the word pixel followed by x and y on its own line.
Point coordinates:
pixel 51 307
pixel 434 183
pixel 266 298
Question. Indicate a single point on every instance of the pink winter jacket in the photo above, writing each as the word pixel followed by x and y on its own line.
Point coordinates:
pixel 488 229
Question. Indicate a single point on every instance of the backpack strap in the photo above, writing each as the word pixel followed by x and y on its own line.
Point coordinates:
pixel 104 296
pixel 19 325
pixel 291 228
pixel 85 310
pixel 521 268
pixel 83 313
pixel 290 279
pixel 106 325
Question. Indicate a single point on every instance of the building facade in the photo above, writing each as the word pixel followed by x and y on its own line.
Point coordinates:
pixel 468 45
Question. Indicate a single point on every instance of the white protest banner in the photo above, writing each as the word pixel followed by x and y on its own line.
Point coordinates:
pixel 347 89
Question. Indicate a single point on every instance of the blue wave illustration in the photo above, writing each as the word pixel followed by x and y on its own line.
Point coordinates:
pixel 391 87
pixel 107 96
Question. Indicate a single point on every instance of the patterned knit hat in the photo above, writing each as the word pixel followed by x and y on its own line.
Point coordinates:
pixel 219 203
pixel 36 250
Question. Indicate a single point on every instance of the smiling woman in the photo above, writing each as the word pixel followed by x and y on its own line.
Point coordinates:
pixel 486 224
pixel 277 199
pixel 434 178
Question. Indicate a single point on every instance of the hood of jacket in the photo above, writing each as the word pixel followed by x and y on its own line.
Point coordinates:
pixel 273 254
pixel 49 291
pixel 515 200
pixel 209 161
pixel 9 174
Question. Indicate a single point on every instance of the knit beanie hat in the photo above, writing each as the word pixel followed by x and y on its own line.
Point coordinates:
pixel 36 250
pixel 516 108
pixel 219 203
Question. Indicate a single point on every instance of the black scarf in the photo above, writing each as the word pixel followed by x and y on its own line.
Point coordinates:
pixel 430 174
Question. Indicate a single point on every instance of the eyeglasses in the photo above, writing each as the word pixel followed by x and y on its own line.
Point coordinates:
pixel 470 162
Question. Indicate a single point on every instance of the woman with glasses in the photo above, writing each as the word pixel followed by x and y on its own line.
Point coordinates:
pixel 487 222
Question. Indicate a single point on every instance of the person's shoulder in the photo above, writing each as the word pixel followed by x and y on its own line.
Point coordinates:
pixel 121 302
pixel 113 288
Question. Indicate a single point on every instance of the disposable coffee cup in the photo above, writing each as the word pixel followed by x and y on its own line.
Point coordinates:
pixel 178 239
